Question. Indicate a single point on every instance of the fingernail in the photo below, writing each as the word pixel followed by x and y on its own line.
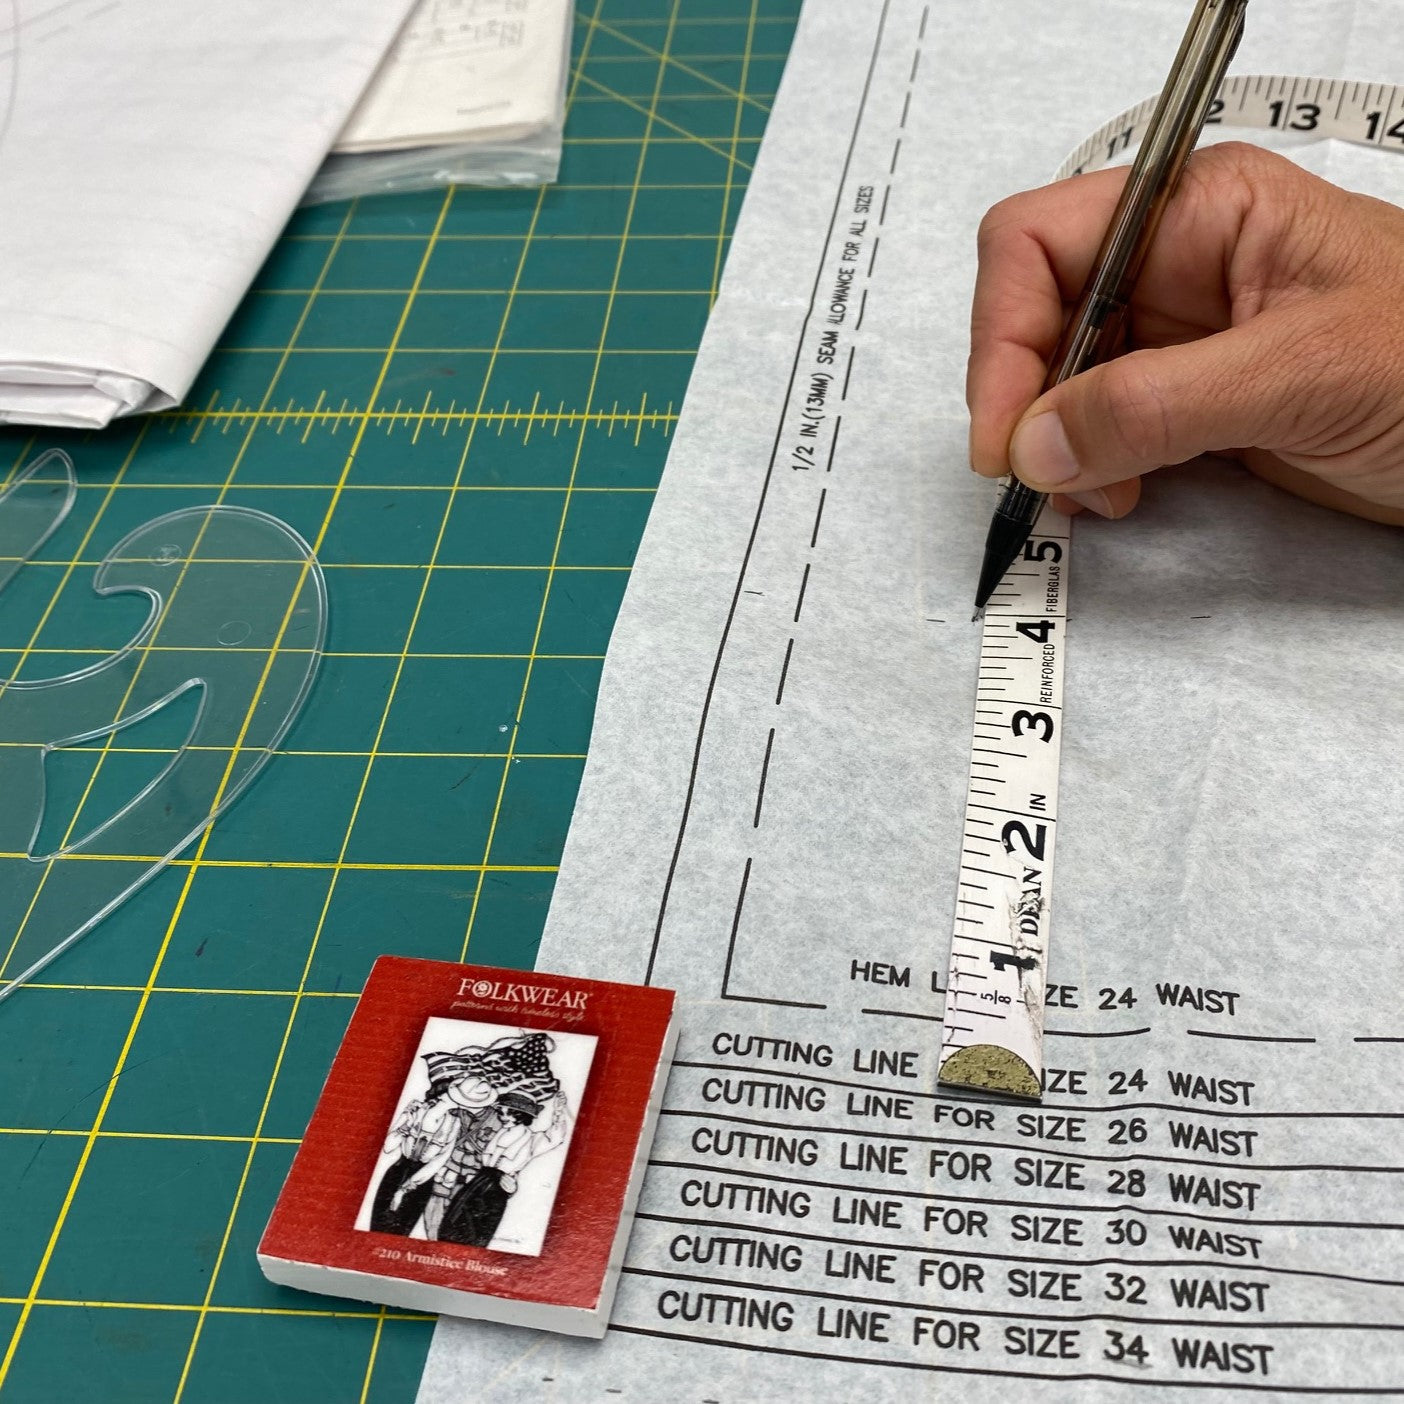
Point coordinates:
pixel 1041 454
pixel 1095 500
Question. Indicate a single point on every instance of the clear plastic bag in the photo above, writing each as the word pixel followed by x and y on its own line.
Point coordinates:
pixel 527 161
pixel 492 71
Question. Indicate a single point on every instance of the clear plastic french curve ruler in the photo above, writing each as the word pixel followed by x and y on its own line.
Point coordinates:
pixel 992 1032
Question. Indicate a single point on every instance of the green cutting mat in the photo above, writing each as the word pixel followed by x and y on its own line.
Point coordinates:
pixel 464 400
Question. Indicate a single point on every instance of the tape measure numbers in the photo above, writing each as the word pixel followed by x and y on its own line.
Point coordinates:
pixel 992 1032
pixel 1364 114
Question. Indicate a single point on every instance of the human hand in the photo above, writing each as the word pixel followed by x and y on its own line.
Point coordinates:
pixel 1268 324
pixel 506 1149
pixel 551 1112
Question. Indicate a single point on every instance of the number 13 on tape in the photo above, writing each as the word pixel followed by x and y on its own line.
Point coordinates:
pixel 992 1033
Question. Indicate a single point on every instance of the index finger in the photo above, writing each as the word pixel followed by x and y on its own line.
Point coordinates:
pixel 1036 250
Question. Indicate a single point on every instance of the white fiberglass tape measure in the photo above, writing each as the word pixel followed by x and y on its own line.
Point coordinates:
pixel 992 1033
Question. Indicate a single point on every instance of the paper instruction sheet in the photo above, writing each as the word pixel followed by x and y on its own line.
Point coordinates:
pixel 1211 1196
pixel 466 70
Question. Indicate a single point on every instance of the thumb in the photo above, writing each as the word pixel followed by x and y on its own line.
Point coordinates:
pixel 1141 411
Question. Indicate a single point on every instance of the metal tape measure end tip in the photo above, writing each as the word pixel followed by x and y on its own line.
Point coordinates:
pixel 985 1067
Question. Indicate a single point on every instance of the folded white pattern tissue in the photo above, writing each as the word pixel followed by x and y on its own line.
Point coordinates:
pixel 150 153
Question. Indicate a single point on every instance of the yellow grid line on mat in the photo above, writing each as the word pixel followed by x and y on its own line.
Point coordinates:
pixel 574 468
pixel 323 417
pixel 385 715
pixel 721 90
pixel 320 537
pixel 85 1156
pixel 653 115
pixel 350 1313
pixel 15 671
pixel 731 162
pixel 147 647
